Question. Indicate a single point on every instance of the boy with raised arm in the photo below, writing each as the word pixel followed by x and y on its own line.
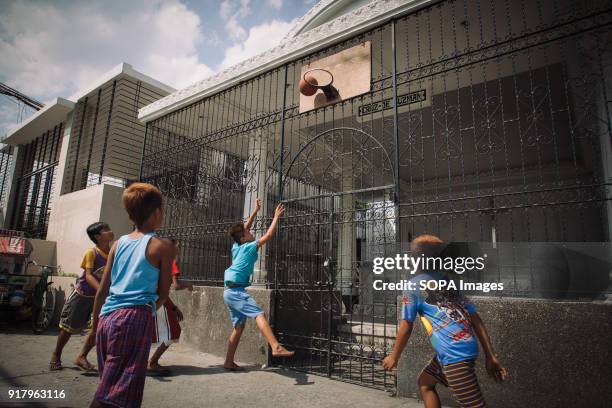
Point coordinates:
pixel 238 277
pixel 452 324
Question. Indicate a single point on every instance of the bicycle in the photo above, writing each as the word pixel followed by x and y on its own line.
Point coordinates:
pixel 43 300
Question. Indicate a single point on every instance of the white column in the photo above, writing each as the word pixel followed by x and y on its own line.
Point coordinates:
pixel 346 252
pixel 257 171
pixel 54 226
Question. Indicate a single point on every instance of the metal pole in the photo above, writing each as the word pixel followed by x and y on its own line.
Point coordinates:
pixel 282 137
pixel 273 313
pixel 395 134
pixel 330 287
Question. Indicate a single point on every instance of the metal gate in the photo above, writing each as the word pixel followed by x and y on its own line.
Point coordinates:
pixel 36 183
pixel 340 214
pixel 494 119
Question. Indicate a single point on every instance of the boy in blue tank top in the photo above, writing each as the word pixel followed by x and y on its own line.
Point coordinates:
pixel 454 329
pixel 135 283
pixel 238 276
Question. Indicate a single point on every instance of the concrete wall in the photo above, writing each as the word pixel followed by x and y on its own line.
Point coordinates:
pixel 43 252
pixel 73 212
pixel 207 324
pixel 557 353
pixel 113 212
pixel 71 215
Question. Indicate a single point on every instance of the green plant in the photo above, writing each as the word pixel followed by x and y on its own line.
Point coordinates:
pixel 67 274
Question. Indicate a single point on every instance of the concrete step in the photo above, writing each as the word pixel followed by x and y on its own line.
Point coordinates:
pixel 368 333
pixel 379 310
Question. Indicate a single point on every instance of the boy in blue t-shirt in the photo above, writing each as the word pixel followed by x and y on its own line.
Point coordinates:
pixel 452 324
pixel 238 276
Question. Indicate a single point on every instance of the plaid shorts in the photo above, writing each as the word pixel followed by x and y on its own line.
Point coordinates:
pixel 123 341
pixel 460 378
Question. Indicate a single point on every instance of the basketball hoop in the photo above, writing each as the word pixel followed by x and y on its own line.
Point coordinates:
pixel 319 78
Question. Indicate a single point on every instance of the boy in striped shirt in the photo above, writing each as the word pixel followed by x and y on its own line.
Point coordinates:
pixel 452 324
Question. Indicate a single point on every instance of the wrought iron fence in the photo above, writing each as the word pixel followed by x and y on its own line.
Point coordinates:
pixel 36 183
pixel 6 165
pixel 487 121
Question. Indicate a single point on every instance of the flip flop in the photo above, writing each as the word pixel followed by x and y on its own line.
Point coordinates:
pixel 55 365
pixel 87 368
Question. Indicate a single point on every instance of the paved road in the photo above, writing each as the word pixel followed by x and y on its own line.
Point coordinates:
pixel 198 380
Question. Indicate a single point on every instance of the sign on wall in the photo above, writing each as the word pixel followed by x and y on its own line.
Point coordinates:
pixel 402 100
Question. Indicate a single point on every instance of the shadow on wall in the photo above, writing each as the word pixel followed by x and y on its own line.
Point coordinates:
pixel 548 270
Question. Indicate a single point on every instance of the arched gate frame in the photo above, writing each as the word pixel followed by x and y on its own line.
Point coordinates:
pixel 339 191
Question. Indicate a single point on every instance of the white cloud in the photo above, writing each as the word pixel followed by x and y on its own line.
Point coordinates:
pixel 226 9
pixel 275 4
pixel 231 12
pixel 10 114
pixel 244 8
pixel 47 51
pixel 260 39
pixel 234 29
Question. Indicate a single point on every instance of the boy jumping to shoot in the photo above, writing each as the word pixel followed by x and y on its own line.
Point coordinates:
pixel 238 276
pixel 452 324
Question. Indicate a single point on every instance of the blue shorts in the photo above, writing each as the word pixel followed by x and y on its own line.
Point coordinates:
pixel 240 305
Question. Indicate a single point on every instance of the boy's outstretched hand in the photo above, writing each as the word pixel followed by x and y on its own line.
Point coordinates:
pixel 258 204
pixel 496 370
pixel 280 209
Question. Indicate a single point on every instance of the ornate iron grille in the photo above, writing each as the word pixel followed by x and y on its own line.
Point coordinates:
pixel 487 120
pixel 6 164
pixel 36 183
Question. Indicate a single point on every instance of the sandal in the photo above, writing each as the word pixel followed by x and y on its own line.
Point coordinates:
pixel 55 365
pixel 87 366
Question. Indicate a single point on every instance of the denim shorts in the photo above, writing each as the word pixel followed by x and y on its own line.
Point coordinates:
pixel 240 305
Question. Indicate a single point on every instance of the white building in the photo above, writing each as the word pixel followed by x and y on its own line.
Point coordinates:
pixel 70 161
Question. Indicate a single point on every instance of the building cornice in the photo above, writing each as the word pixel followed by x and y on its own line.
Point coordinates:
pixel 312 14
pixel 50 115
pixel 116 72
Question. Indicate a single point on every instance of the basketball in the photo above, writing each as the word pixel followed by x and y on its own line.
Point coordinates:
pixel 306 86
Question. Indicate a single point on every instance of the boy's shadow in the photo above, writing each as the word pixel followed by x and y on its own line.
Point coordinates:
pixel 179 370
pixel 299 377
pixel 83 373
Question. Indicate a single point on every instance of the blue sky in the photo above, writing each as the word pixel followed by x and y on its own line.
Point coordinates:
pixel 55 48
